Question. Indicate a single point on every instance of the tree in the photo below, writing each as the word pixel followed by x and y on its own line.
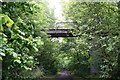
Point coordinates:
pixel 97 23
pixel 22 37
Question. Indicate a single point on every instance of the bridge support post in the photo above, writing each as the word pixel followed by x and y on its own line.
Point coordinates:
pixel 95 60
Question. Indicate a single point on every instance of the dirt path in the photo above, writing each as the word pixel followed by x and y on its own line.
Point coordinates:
pixel 65 75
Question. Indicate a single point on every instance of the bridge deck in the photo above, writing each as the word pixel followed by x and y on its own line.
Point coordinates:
pixel 60 32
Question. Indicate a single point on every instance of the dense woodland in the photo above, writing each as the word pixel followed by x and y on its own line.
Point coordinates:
pixel 26 51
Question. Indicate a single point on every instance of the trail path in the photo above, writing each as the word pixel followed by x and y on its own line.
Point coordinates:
pixel 65 75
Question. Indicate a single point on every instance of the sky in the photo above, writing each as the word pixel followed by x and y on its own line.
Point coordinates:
pixel 57 5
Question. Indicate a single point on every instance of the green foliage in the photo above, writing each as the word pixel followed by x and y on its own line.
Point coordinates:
pixel 4 19
pixel 21 36
pixel 16 49
pixel 97 22
pixel 27 52
pixel 77 53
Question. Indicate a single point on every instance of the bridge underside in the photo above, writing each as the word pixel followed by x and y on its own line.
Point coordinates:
pixel 60 32
pixel 69 33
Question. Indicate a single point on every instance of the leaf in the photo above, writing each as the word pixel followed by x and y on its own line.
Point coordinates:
pixel 10 22
pixel 3 19
pixel 16 28
pixel 27 68
pixel 1 58
pixel 1 28
pixel 14 54
pixel 36 49
pixel 18 61
pixel 30 57
pixel 22 33
pixel 2 54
